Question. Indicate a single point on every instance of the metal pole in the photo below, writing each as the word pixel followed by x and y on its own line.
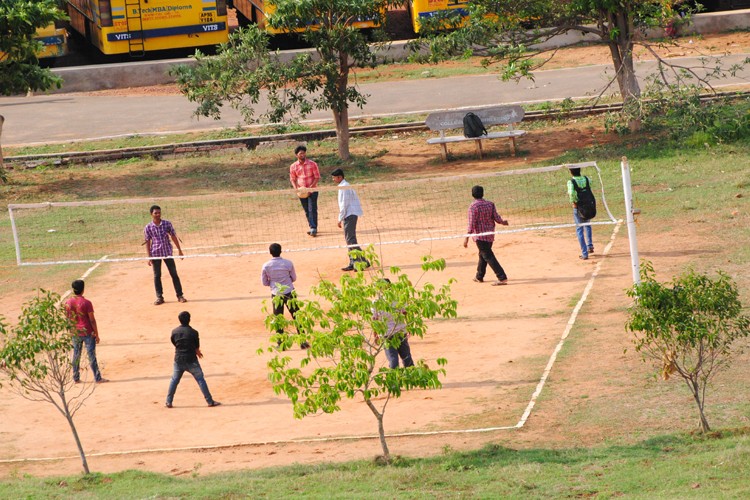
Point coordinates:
pixel 630 213
pixel 15 235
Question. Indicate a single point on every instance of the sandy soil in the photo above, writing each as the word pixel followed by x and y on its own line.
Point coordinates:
pixel 497 351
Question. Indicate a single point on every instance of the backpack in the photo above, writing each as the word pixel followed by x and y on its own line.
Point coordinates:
pixel 586 201
pixel 473 126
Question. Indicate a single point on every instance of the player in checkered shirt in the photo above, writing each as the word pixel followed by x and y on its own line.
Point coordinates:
pixel 482 218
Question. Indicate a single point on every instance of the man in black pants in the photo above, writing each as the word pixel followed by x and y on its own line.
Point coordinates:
pixel 187 350
pixel 157 234
pixel 482 218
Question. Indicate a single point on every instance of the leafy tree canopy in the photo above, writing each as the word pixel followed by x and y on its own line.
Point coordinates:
pixel 19 65
pixel 348 325
pixel 688 327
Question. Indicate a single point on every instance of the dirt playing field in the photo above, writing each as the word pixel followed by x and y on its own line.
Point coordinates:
pixel 497 351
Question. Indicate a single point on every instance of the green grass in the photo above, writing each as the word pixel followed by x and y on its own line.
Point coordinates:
pixel 672 466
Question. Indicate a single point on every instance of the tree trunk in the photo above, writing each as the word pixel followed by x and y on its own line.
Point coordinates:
pixel 69 417
pixel 341 109
pixel 342 133
pixel 621 48
pixel 2 119
pixel 694 387
pixel 381 431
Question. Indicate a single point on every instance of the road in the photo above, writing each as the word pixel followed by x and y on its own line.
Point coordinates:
pixel 66 117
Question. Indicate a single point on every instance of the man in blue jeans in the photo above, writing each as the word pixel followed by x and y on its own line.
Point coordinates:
pixel 187 351
pixel 585 241
pixel 81 313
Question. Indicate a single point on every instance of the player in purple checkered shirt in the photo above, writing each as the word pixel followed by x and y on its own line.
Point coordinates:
pixel 157 234
pixel 482 218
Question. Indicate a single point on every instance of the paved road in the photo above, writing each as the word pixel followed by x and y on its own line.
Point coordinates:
pixel 65 117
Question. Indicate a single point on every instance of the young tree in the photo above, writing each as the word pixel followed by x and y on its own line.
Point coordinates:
pixel 243 70
pixel 347 329
pixel 687 327
pixel 19 65
pixel 35 360
pixel 502 33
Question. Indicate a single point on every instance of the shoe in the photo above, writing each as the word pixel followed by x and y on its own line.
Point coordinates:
pixel 500 282
pixel 168 405
pixel 102 380
pixel 304 345
pixel 159 301
pixel 313 232
pixel 213 403
pixel 591 248
pixel 181 299
pixel 477 280
pixel 583 257
pixel 348 268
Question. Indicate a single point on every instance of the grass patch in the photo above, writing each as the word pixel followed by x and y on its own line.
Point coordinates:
pixel 666 466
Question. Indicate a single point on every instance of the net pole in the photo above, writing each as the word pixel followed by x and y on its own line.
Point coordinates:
pixel 630 217
pixel 15 235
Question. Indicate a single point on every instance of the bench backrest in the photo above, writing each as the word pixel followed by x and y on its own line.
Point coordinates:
pixel 497 115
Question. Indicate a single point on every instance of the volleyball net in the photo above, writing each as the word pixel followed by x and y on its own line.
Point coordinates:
pixel 236 224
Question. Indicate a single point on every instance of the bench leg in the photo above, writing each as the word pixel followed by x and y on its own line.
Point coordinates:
pixel 479 149
pixel 513 146
pixel 445 151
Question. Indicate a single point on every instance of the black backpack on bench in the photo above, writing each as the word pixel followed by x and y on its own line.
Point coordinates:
pixel 473 126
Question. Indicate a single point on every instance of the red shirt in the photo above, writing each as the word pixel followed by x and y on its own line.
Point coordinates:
pixel 305 174
pixel 482 218
pixel 78 309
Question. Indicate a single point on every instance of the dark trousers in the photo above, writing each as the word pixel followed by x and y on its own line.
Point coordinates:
pixel 487 256
pixel 172 268
pixel 310 206
pixel 350 235
pixel 402 351
pixel 279 309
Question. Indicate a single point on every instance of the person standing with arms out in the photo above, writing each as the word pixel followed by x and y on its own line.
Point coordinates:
pixel 581 182
pixel 80 311
pixel 482 218
pixel 279 274
pixel 304 173
pixel 187 350
pixel 157 234
pixel 350 210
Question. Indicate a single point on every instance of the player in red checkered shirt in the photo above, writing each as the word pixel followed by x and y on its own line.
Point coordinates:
pixel 482 218
pixel 304 173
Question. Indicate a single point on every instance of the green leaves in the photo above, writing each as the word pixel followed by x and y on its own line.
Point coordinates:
pixel 348 326
pixel 19 65
pixel 687 326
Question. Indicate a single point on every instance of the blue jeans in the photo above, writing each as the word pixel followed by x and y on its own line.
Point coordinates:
pixel 579 232
pixel 392 354
pixel 310 206
pixel 90 342
pixel 194 367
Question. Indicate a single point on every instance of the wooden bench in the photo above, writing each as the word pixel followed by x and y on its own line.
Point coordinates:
pixel 496 115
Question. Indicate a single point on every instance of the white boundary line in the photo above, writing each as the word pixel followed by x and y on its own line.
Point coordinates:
pixel 524 417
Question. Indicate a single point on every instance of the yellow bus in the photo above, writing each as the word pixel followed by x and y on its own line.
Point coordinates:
pixel 420 9
pixel 138 26
pixel 256 11
pixel 54 41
